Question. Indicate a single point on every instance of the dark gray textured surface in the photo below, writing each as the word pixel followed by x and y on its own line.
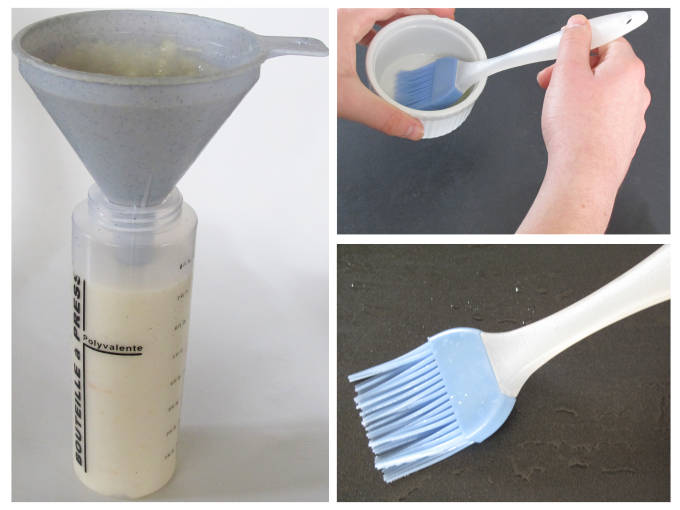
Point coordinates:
pixel 592 424
pixel 483 177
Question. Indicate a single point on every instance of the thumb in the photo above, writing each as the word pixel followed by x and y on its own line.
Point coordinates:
pixel 574 52
pixel 357 103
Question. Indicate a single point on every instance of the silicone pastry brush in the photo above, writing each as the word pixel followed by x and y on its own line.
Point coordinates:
pixel 441 83
pixel 460 386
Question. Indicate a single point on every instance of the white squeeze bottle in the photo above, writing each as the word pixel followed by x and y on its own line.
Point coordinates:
pixel 132 274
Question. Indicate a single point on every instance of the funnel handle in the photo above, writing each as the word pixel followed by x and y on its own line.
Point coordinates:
pixel 275 46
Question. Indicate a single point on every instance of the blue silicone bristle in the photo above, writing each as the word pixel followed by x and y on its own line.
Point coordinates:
pixel 431 87
pixel 430 403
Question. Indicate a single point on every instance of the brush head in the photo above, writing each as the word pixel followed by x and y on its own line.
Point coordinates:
pixel 431 87
pixel 430 403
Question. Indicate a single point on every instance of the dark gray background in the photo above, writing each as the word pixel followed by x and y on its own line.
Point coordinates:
pixel 483 177
pixel 592 424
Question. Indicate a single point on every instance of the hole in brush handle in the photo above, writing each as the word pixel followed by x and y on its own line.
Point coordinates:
pixel 606 29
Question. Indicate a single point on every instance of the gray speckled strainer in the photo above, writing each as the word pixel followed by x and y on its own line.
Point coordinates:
pixel 137 136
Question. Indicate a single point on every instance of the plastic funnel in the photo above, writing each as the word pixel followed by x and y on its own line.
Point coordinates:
pixel 137 135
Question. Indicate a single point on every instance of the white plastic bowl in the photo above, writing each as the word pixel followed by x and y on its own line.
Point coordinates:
pixel 415 41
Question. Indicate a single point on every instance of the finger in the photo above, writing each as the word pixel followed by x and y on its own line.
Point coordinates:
pixel 574 51
pixel 615 55
pixel 442 13
pixel 356 23
pixel 647 97
pixel 395 14
pixel 368 37
pixel 357 103
pixel 544 75
pixel 618 48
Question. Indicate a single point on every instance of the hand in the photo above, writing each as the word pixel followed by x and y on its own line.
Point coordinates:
pixel 355 101
pixel 592 121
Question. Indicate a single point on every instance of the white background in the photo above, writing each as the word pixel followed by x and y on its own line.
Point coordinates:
pixel 255 410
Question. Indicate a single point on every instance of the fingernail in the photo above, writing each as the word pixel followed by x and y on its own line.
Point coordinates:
pixel 577 20
pixel 414 132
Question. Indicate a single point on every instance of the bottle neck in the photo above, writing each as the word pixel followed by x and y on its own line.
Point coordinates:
pixel 134 218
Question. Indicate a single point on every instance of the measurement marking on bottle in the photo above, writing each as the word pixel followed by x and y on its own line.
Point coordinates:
pixel 182 295
pixel 169 454
pixel 175 380
pixel 180 324
pixel 178 353
pixel 174 427
pixel 173 405
pixel 185 263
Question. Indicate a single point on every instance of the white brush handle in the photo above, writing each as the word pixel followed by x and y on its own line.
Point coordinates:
pixel 517 354
pixel 605 29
